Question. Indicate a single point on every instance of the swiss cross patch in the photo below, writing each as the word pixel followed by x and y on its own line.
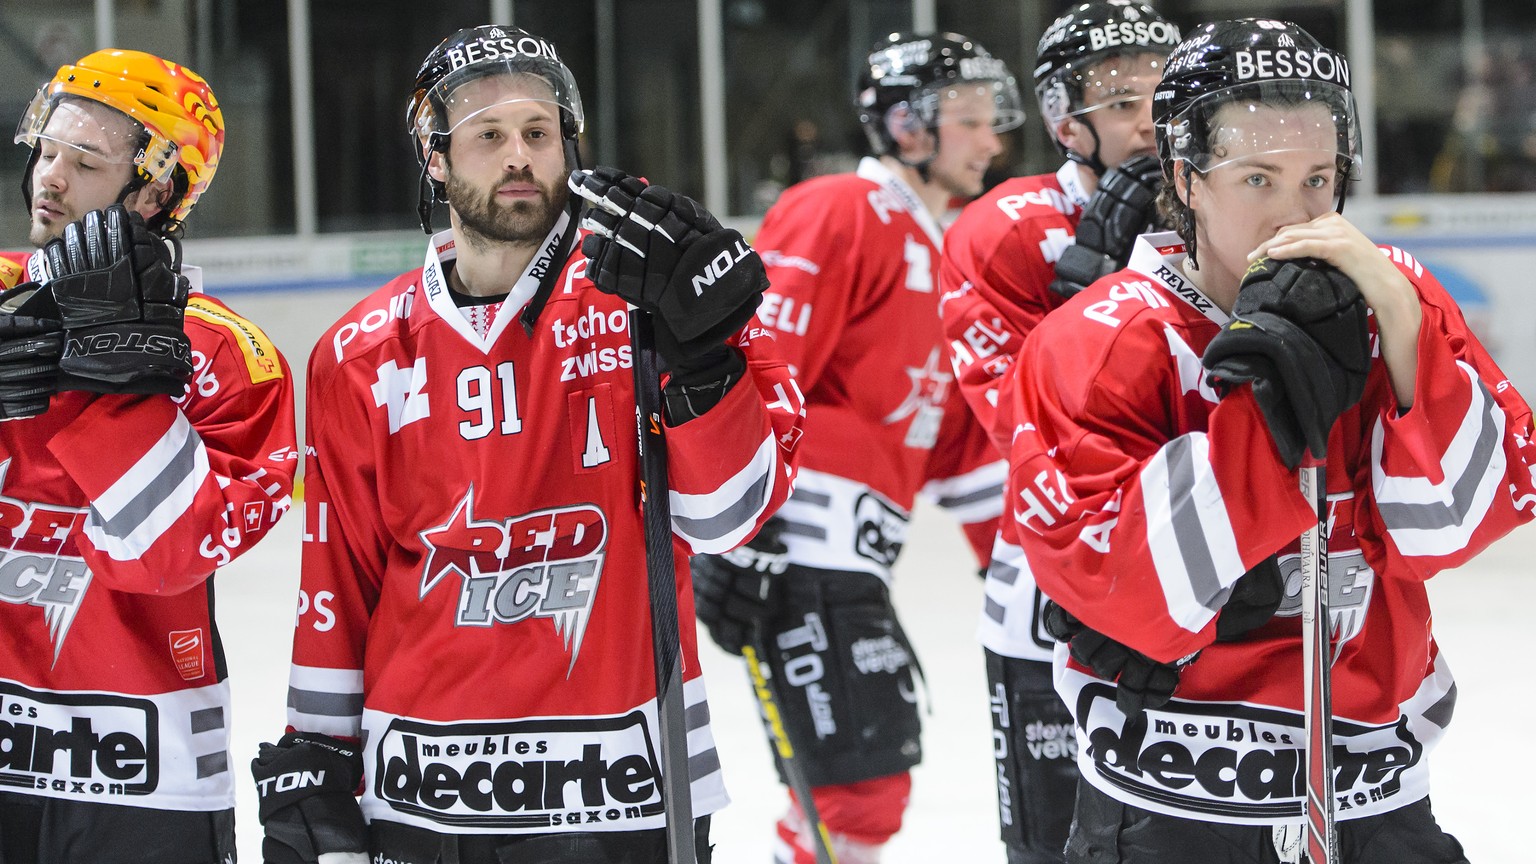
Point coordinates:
pixel 254 511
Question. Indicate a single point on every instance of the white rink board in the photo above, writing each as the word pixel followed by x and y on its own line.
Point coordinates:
pixel 1483 622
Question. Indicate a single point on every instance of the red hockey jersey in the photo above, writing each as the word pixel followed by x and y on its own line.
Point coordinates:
pixel 999 260
pixel 117 509
pixel 854 305
pixel 474 583
pixel 1139 498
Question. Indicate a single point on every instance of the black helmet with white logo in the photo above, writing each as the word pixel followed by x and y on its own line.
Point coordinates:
pixel 1069 61
pixel 907 76
pixel 1257 60
pixel 438 105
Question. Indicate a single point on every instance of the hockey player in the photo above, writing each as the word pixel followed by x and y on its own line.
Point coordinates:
pixel 474 638
pixel 853 305
pixel 1013 255
pixel 150 440
pixel 1160 508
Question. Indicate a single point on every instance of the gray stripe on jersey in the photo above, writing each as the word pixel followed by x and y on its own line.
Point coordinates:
pixel 696 716
pixel 995 610
pixel 154 493
pixel 211 764
pixel 325 704
pixel 205 719
pixel 1441 515
pixel 701 765
pixel 1440 712
pixel 986 494
pixel 814 499
pixel 729 519
pixel 1198 566
pixel 801 529
pixel 1004 573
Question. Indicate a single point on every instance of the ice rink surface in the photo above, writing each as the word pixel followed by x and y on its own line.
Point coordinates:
pixel 1484 615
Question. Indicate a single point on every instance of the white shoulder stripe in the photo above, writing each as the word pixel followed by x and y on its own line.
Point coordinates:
pixel 1428 518
pixel 719 521
pixel 131 515
pixel 1189 532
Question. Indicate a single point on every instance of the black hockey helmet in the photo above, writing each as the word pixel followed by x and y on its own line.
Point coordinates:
pixel 1257 61
pixel 1069 57
pixel 433 111
pixel 1252 60
pixel 907 75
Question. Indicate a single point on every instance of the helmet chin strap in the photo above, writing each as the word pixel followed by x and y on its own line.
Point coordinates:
pixel 922 166
pixel 1091 162
pixel 428 190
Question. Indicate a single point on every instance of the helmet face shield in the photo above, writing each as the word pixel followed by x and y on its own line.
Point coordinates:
pixel 994 103
pixel 449 103
pixel 96 131
pixel 1107 82
pixel 1234 125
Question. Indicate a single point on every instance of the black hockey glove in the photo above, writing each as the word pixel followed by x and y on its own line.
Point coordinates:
pixel 737 593
pixel 667 255
pixel 1253 600
pixel 306 786
pixel 1141 682
pixel 1298 334
pixel 31 341
pixel 1124 207
pixel 122 307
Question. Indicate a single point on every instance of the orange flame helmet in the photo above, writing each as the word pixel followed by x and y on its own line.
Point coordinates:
pixel 183 126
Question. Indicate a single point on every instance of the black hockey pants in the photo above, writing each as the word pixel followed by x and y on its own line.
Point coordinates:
pixel 1104 831
pixel 39 830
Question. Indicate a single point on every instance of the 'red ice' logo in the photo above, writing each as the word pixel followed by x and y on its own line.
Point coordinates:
pixel 544 564
pixel 40 561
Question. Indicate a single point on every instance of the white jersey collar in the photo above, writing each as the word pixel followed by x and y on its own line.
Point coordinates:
pixel 442 250
pixel 874 171
pixel 1160 256
pixel 1071 181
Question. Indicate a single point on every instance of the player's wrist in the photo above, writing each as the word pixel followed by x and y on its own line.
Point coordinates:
pixel 700 384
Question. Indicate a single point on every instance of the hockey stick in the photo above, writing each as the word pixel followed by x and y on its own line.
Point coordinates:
pixel 767 697
pixel 1317 659
pixel 661 576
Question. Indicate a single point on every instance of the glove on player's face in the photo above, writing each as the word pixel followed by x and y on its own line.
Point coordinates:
pixel 667 255
pixel 31 341
pixel 305 784
pixel 122 307
pixel 737 593
pixel 1123 207
pixel 1141 682
pixel 1298 334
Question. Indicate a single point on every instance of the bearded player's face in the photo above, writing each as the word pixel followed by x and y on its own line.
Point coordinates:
pixel 505 166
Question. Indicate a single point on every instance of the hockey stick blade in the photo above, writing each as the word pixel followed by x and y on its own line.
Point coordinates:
pixel 661 577
pixel 767 699
pixel 1317 660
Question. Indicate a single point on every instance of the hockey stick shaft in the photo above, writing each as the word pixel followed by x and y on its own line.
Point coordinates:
pixel 767 698
pixel 1317 659
pixel 661 577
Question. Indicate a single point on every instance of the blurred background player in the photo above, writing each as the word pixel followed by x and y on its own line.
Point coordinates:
pixel 1163 413
pixel 122 487
pixel 853 304
pixel 474 501
pixel 1012 256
